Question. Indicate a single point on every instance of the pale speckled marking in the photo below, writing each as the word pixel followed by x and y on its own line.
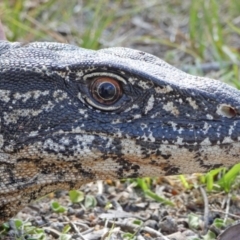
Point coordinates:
pixel 128 149
pixel 135 106
pixel 150 104
pixel 179 141
pixel 82 111
pixel 232 128
pixel 65 141
pixel 128 109
pixel 210 117
pixel 13 116
pixel 81 99
pixel 144 85
pixel 180 100
pixel 169 107
pixel 80 73
pixel 206 141
pixel 131 80
pixel 61 74
pixel 34 94
pixel 5 95
pixel 147 137
pixel 165 89
pixel 192 103
pixel 33 133
pixel 206 127
pixel 115 121
pixel 227 140
pixel 59 95
pixel 174 125
pixel 151 137
pixel 137 116
pixel 118 134
pixel 143 126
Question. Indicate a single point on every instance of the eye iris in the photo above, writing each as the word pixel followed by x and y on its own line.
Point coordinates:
pixel 106 91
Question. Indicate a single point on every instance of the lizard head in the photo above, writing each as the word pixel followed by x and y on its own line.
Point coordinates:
pixel 70 115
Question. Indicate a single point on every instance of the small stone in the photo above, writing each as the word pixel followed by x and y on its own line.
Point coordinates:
pixel 168 225
pixel 71 211
pixel 79 213
pixel 38 221
pixel 163 213
pixel 60 193
pixel 101 200
pixel 58 226
pixel 155 216
pixel 75 206
pixel 152 224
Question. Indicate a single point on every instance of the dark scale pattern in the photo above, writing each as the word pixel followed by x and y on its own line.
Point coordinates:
pixel 54 134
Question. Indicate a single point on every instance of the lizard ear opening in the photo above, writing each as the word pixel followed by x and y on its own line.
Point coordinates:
pixel 226 111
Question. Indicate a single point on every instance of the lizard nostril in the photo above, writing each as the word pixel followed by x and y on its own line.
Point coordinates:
pixel 226 111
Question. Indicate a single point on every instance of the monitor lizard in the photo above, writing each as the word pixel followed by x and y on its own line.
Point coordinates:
pixel 70 115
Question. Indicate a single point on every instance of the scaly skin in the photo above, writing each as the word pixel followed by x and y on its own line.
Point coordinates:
pixel 55 135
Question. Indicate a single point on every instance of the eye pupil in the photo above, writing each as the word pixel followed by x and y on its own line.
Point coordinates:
pixel 106 91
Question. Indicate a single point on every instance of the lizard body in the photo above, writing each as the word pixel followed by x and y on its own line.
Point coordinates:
pixel 70 116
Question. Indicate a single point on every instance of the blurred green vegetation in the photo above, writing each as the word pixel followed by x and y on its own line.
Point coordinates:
pixel 185 33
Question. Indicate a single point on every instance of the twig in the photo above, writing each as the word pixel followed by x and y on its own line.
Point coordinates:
pixel 77 231
pixel 81 224
pixel 100 187
pixel 88 231
pixel 52 231
pixel 227 207
pixel 229 214
pixel 206 209
pixel 132 228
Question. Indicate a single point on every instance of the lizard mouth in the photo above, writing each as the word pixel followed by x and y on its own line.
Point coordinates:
pixel 165 136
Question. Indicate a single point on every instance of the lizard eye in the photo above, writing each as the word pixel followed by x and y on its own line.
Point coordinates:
pixel 106 90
